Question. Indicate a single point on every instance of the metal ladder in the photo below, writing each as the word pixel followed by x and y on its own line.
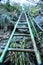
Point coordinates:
pixel 22 29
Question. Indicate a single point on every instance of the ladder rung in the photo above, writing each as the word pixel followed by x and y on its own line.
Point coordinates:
pixel 22 28
pixel 22 23
pixel 22 20
pixel 21 34
pixel 19 50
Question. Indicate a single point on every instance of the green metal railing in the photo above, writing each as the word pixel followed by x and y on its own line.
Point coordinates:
pixel 34 43
pixel 8 43
pixel 31 19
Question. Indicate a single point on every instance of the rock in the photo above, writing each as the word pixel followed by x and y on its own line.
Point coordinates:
pixel 39 22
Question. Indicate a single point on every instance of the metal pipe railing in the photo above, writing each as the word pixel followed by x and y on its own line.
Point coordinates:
pixel 34 27
pixel 37 24
pixel 8 43
pixel 34 43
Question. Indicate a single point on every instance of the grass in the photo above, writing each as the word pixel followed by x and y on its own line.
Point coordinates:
pixel 34 10
pixel 18 58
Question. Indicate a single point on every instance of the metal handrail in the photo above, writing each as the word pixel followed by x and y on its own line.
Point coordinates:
pixel 8 43
pixel 37 24
pixel 34 27
pixel 34 43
